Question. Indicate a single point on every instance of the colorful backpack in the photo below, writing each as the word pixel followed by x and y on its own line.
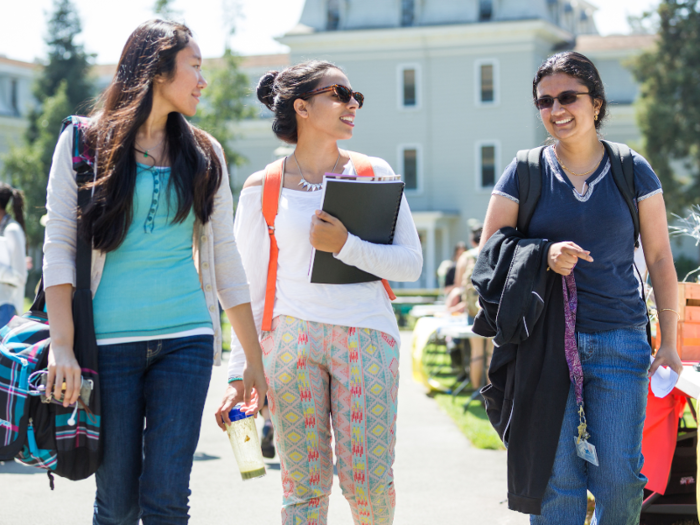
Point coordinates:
pixel 271 193
pixel 62 440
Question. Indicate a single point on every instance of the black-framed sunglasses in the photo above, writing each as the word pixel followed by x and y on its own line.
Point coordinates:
pixel 343 93
pixel 565 98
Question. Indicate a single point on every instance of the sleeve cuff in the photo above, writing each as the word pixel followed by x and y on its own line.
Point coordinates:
pixel 348 248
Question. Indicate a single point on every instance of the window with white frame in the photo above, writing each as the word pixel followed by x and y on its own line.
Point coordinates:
pixel 409 86
pixel 485 10
pixel 409 165
pixel 486 82
pixel 487 163
pixel 408 12
pixel 332 15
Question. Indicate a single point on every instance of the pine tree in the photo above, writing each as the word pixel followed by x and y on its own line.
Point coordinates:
pixel 669 105
pixel 61 89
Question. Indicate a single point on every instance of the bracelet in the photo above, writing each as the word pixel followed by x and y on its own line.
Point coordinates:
pixel 670 310
pixel 232 379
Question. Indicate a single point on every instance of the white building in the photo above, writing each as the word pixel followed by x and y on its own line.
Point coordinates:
pixel 448 87
pixel 16 100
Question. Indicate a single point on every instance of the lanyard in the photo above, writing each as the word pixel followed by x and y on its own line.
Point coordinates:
pixel 571 348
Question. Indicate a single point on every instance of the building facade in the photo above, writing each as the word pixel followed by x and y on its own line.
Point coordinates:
pixel 448 87
pixel 16 100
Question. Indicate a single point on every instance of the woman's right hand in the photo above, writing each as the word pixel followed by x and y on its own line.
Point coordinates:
pixel 63 367
pixel 563 256
pixel 232 396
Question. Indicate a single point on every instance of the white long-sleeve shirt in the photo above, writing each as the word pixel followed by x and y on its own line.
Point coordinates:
pixel 362 305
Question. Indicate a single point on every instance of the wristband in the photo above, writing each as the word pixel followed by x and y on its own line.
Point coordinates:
pixel 232 379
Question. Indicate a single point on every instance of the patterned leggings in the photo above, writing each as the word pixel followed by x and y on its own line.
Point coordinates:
pixel 317 372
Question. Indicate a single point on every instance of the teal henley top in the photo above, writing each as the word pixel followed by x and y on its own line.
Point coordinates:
pixel 149 285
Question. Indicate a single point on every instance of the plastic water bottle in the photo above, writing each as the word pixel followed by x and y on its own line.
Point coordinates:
pixel 243 435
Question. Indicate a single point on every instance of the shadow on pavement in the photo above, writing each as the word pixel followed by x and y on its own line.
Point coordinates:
pixel 12 467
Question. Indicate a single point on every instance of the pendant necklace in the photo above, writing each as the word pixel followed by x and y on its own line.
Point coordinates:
pixel 573 173
pixel 310 186
pixel 145 151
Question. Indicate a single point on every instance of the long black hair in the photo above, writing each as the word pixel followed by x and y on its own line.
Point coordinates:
pixel 7 192
pixel 196 171
pixel 582 69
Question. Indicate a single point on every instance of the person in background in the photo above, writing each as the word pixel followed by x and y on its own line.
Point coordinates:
pixel 446 270
pixel 13 250
pixel 481 349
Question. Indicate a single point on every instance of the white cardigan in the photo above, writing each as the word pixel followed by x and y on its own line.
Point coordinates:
pixel 214 247
pixel 363 305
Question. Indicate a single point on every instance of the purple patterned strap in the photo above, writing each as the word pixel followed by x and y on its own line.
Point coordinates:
pixel 570 346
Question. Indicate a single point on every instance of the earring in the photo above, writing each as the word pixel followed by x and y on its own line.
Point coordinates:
pixel 595 117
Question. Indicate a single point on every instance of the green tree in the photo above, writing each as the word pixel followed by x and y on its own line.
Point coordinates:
pixel 62 88
pixel 669 105
pixel 27 165
pixel 223 102
pixel 164 9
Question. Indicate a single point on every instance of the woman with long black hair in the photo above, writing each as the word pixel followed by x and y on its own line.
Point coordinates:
pixel 13 249
pixel 161 225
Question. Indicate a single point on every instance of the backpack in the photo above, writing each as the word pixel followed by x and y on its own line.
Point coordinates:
pixel 271 194
pixel 622 167
pixel 530 180
pixel 64 441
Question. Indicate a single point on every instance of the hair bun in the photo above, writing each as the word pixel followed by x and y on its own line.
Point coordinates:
pixel 265 89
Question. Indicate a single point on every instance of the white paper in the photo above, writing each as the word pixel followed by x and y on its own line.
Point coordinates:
pixel 663 381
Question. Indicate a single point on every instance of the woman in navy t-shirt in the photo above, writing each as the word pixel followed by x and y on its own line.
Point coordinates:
pixel 584 213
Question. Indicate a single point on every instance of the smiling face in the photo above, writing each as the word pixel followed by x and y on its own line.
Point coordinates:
pixel 181 92
pixel 572 121
pixel 325 113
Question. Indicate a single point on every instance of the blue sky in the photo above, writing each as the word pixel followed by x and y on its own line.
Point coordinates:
pixel 107 24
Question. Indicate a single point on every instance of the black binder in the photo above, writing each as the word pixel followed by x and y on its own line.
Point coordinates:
pixel 368 210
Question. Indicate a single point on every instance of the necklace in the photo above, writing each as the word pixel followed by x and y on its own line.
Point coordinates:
pixel 577 174
pixel 145 151
pixel 310 186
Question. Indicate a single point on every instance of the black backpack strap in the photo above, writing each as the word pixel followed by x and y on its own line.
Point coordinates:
pixel 530 181
pixel 622 167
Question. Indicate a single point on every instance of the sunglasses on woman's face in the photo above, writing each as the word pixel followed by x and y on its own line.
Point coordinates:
pixel 343 93
pixel 565 98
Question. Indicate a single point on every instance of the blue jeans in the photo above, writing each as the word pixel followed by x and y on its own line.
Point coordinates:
pixel 6 313
pixel 152 395
pixel 615 366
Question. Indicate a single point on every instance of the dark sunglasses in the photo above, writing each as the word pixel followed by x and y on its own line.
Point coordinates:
pixel 565 98
pixel 343 93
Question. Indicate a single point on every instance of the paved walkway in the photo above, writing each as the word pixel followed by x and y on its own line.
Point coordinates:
pixel 440 478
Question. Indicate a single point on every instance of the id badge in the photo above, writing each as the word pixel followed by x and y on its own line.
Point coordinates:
pixel 586 451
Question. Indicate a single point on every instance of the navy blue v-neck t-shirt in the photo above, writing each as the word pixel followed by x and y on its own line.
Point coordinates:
pixel 598 221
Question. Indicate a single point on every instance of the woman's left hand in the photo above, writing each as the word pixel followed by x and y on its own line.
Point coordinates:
pixel 667 356
pixel 327 233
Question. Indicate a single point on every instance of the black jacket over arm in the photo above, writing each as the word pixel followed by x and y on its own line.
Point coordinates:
pixel 523 310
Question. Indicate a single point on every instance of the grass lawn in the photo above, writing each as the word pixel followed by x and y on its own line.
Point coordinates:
pixel 474 424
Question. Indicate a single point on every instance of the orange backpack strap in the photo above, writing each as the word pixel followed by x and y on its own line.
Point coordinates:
pixel 363 168
pixel 271 191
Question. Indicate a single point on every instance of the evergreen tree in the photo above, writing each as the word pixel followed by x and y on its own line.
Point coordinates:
pixel 164 9
pixel 669 106
pixel 61 89
pixel 223 102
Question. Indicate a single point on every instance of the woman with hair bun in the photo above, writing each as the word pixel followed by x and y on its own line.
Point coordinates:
pixel 161 225
pixel 331 353
pixel 13 263
pixel 584 215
